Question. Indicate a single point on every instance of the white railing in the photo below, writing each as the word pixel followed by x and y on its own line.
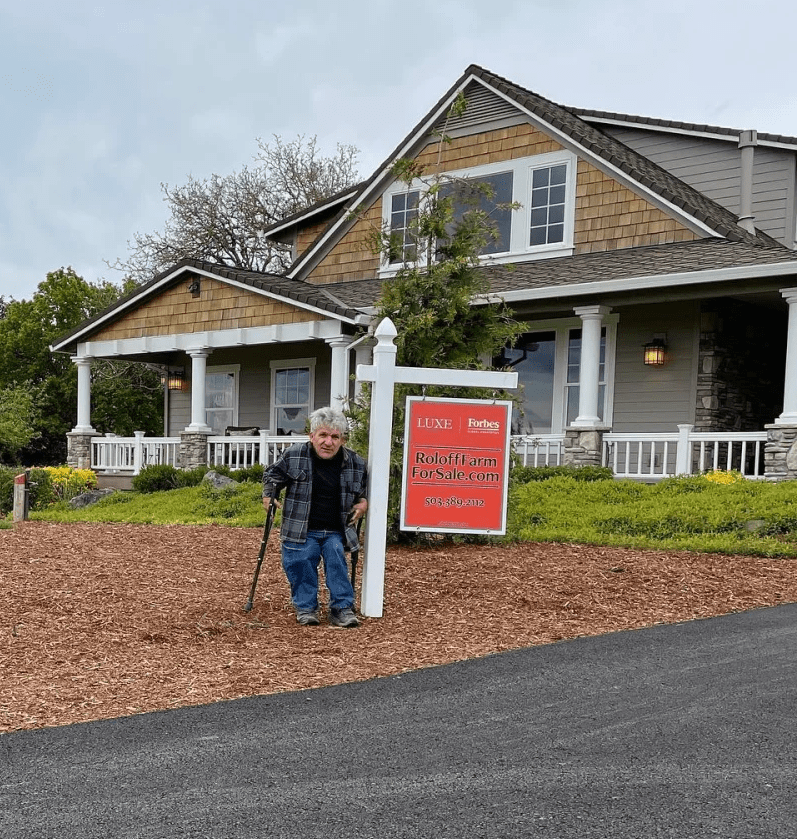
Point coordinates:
pixel 655 456
pixel 539 449
pixel 128 455
pixel 641 456
pixel 240 452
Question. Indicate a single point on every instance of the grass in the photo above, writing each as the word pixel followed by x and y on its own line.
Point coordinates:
pixel 696 514
pixel 239 506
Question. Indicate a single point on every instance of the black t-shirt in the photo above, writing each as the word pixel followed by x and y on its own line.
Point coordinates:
pixel 325 501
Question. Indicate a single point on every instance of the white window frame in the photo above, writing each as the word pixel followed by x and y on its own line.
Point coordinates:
pixel 289 364
pixel 235 370
pixel 522 168
pixel 562 327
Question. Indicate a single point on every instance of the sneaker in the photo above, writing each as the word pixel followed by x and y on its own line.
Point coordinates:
pixel 307 618
pixel 343 618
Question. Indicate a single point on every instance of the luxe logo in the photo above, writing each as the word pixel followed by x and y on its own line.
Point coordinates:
pixel 435 422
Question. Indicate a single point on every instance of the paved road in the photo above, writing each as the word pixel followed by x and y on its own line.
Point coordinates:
pixel 678 731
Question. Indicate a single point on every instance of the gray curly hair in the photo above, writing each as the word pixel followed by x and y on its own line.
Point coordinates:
pixel 329 418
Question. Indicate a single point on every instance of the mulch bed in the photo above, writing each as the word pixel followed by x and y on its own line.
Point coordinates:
pixel 101 621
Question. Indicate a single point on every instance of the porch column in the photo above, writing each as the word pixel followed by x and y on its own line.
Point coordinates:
pixel 589 373
pixel 789 415
pixel 780 451
pixel 83 364
pixel 339 375
pixel 199 363
pixel 362 355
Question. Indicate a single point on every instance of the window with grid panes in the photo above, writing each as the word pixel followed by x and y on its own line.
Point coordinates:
pixel 542 187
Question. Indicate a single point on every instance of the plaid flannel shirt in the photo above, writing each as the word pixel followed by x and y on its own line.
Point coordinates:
pixel 294 470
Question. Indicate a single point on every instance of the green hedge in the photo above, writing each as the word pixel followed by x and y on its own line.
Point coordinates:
pixel 526 474
pixel 162 477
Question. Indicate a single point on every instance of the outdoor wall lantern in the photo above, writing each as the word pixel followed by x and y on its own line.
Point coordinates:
pixel 174 379
pixel 655 351
pixel 194 287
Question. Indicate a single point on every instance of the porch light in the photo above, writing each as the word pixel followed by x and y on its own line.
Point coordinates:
pixel 655 351
pixel 174 379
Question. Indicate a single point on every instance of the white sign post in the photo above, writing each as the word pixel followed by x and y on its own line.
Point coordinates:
pixel 384 374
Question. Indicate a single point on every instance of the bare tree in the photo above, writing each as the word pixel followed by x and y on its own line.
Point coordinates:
pixel 222 218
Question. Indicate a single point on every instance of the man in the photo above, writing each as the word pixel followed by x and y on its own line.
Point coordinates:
pixel 325 497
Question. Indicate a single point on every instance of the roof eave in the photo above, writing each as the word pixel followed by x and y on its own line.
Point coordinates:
pixel 644 282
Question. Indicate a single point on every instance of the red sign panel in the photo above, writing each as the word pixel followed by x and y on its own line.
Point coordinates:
pixel 456 465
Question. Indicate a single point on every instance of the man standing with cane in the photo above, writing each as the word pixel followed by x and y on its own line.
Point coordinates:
pixel 325 485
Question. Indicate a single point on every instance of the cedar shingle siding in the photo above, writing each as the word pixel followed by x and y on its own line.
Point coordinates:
pixel 219 306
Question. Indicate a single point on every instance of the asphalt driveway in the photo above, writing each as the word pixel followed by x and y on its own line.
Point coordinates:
pixel 675 731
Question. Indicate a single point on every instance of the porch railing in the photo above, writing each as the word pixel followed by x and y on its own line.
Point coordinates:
pixel 128 455
pixel 640 456
pixel 649 457
pixel 539 449
pixel 240 452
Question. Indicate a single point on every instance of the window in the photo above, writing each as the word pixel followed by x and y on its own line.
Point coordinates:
pixel 292 384
pixel 221 398
pixel 548 363
pixel 548 201
pixel 544 187
pixel 467 196
pixel 404 208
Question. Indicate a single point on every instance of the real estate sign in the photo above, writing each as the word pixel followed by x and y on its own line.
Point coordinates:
pixel 456 465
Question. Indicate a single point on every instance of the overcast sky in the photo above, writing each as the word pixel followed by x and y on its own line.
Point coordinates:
pixel 104 101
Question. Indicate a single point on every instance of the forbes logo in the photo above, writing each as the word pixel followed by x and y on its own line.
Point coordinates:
pixel 484 424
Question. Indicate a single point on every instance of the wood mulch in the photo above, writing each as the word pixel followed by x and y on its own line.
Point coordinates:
pixel 101 621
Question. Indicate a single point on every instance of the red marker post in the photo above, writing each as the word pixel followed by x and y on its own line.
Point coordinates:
pixel 456 465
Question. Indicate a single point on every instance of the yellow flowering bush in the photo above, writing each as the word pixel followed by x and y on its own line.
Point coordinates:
pixel 67 482
pixel 717 476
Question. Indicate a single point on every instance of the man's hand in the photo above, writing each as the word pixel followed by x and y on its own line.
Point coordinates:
pixel 267 501
pixel 358 511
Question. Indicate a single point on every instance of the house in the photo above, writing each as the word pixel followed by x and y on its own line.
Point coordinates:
pixel 653 261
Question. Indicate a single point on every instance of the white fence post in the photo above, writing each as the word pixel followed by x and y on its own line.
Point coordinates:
pixel 683 457
pixel 138 452
pixel 381 432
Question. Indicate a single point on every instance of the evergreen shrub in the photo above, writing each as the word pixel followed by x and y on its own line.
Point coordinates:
pixel 191 477
pixel 526 474
pixel 156 478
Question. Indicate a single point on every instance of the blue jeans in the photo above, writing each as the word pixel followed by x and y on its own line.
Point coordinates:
pixel 300 562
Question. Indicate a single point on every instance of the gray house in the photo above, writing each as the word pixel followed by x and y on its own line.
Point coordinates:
pixel 653 261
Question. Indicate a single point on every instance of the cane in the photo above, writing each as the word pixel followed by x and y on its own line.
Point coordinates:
pixel 272 507
pixel 355 556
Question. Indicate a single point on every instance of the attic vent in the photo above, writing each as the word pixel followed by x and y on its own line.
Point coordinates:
pixel 483 107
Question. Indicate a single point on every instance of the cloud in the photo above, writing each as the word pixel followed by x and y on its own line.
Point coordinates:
pixel 107 101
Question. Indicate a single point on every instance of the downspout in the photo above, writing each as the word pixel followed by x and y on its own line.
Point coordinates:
pixel 748 140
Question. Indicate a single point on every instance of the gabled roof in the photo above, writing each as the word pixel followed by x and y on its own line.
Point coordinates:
pixel 566 125
pixel 675 126
pixel 318 210
pixel 642 170
pixel 275 286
